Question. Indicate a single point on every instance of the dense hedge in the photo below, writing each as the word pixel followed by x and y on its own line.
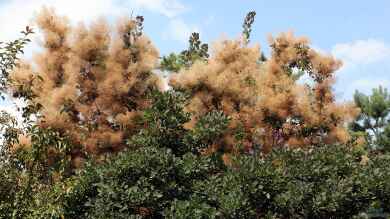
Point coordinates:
pixel 329 182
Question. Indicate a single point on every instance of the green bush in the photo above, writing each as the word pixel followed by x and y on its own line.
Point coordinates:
pixel 329 182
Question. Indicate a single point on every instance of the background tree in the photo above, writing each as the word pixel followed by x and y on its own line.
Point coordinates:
pixel 196 51
pixel 373 120
pixel 247 25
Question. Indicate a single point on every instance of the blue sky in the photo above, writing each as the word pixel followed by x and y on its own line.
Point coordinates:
pixel 356 31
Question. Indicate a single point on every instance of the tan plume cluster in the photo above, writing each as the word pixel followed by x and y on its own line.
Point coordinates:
pixel 92 87
pixel 228 82
pixel 24 143
pixel 264 99
pixel 91 83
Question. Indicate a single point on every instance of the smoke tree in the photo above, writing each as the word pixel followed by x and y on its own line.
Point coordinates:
pixel 268 107
pixel 89 84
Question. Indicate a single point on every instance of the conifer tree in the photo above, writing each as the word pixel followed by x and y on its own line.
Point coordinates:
pixel 373 120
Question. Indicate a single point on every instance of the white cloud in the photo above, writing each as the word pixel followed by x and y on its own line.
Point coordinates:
pixel 169 8
pixel 179 30
pixel 16 14
pixel 365 63
pixel 368 84
pixel 361 52
pixel 345 91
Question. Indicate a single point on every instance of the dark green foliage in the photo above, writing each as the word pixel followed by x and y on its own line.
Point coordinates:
pixel 247 29
pixel 26 173
pixel 207 130
pixel 8 189
pixel 33 171
pixel 373 120
pixel 330 182
pixel 197 51
pixel 247 26
pixel 164 121
pixel 143 182
pixel 172 63
pixel 190 209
